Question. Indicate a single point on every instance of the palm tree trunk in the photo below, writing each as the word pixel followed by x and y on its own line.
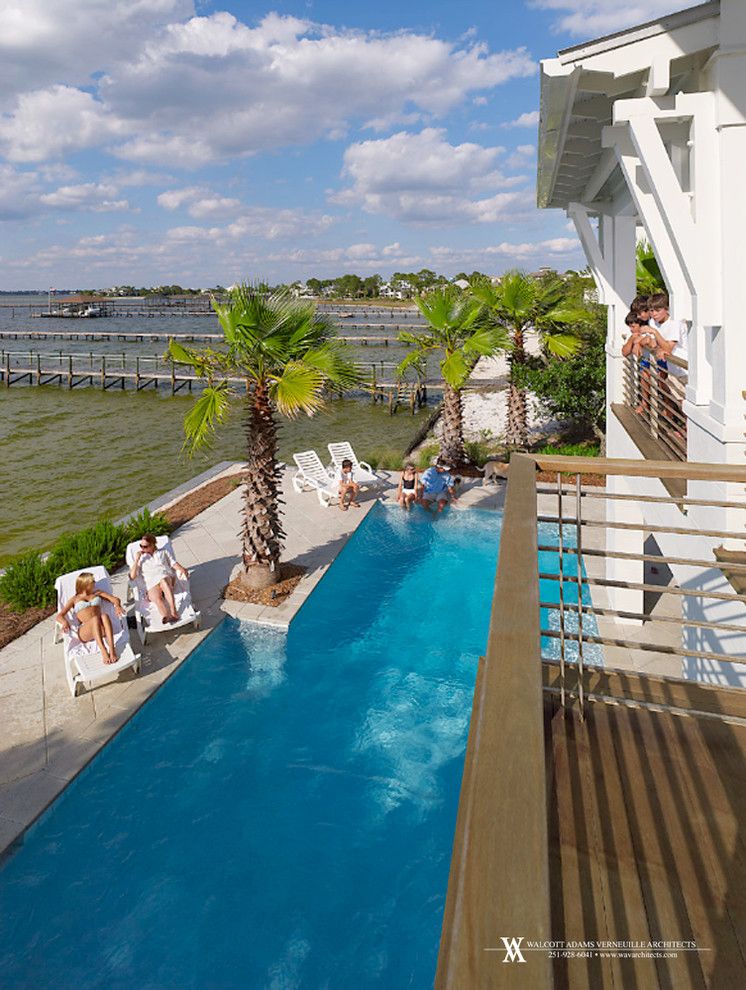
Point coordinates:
pixel 452 438
pixel 262 534
pixel 516 432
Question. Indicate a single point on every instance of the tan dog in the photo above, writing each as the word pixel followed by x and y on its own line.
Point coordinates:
pixel 494 472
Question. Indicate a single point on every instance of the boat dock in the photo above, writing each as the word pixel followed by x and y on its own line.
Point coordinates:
pixel 139 336
pixel 138 371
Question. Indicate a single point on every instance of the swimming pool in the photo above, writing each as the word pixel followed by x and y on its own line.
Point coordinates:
pixel 281 813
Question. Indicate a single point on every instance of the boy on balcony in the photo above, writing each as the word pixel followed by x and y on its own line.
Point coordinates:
pixel 670 335
pixel 640 338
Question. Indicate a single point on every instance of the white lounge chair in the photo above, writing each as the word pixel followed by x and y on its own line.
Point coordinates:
pixel 363 473
pixel 83 661
pixel 147 616
pixel 312 475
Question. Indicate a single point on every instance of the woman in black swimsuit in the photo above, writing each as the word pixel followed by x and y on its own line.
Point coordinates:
pixel 408 491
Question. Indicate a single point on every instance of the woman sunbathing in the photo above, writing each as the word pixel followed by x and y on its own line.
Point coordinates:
pixel 86 607
pixel 158 568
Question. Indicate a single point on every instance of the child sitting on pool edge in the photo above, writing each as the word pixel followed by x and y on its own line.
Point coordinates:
pixel 348 487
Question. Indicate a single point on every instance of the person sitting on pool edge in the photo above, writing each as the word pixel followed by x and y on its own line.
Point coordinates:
pixel 158 568
pixel 408 490
pixel 348 487
pixel 437 486
pixel 86 607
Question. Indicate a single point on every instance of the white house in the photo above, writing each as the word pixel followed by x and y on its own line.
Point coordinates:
pixel 644 132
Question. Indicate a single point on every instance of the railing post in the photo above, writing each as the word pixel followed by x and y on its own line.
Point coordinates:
pixel 654 396
pixel 561 565
pixel 579 560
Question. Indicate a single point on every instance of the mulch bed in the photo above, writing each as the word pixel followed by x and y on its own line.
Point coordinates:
pixel 195 502
pixel 15 624
pixel 290 575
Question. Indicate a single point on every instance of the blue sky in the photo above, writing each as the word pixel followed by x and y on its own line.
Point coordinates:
pixel 199 142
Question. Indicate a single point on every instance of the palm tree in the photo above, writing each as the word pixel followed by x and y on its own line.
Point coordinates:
pixel 520 303
pixel 287 355
pixel 455 332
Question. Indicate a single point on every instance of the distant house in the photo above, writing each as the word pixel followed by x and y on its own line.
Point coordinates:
pixel 396 290
pixel 300 290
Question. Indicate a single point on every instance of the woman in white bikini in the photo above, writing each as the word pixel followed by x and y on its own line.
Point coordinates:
pixel 86 607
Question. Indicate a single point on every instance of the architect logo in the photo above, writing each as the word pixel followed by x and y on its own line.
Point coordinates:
pixel 512 949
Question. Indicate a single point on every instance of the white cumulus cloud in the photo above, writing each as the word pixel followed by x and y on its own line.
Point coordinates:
pixel 98 197
pixel 48 123
pixel 212 88
pixel 528 119
pixel 421 178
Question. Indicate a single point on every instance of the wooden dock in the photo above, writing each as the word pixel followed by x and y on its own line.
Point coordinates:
pixel 138 371
pixel 141 336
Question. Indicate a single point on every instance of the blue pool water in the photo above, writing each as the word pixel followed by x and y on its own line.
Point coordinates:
pixel 281 814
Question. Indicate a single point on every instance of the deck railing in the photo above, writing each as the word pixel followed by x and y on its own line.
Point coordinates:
pixel 544 643
pixel 656 395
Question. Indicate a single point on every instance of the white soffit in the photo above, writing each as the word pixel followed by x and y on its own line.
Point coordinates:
pixel 579 87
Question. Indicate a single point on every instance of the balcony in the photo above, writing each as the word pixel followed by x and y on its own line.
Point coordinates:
pixel 605 803
pixel 653 407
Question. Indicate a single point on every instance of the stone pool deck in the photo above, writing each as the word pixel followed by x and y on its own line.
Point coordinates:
pixel 47 736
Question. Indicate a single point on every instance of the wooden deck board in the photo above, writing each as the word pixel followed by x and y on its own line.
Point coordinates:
pixel 572 848
pixel 647 832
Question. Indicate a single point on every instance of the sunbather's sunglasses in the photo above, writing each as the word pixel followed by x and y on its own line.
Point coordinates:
pixel 145 546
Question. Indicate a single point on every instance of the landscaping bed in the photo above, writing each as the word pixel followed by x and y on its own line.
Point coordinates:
pixel 290 575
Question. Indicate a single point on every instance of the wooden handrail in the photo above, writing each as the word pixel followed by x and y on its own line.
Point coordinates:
pixel 684 470
pixel 499 880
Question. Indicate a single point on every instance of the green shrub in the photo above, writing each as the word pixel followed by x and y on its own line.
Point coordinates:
pixel 103 543
pixel 28 582
pixel 588 448
pixel 480 451
pixel 425 455
pixel 145 522
pixel 384 458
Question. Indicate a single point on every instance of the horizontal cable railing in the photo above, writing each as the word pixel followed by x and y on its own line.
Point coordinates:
pixel 613 547
pixel 562 608
pixel 654 390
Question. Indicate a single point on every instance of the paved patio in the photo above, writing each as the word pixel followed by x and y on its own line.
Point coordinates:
pixel 48 736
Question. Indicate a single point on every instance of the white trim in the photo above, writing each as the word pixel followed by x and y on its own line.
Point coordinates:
pixel 602 274
pixel 649 213
pixel 619 39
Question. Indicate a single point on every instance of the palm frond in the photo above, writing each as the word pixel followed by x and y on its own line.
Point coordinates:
pixel 567 314
pixel 562 345
pixel 298 389
pixel 455 369
pixel 331 360
pixel 207 413
pixel 414 359
pixel 488 341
